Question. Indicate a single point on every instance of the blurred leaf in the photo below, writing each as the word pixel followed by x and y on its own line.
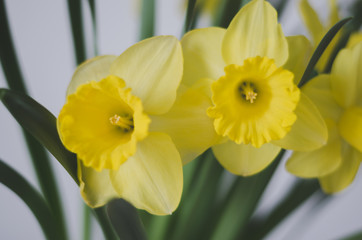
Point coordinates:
pixel 300 192
pixel 86 222
pixel 32 198
pixel 192 13
pixel 92 7
pixel 353 26
pixel 39 157
pixel 147 19
pixel 227 11
pixel 125 220
pixel 355 236
pixel 320 49
pixel 236 211
pixel 75 14
pixel 199 200
pixel 39 122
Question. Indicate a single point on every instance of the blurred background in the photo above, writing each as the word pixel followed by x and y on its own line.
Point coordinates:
pixel 43 40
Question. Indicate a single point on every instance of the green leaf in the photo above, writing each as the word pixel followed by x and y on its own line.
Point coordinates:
pixel 92 7
pixel 300 192
pixel 86 222
pixel 40 123
pixel 75 14
pixel 147 19
pixel 227 11
pixel 192 13
pixel 125 220
pixel 237 209
pixel 355 236
pixel 15 182
pixel 320 49
pixel 39 157
pixel 104 222
pixel 198 200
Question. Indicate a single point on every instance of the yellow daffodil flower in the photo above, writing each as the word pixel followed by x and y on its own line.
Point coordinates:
pixel 106 121
pixel 248 72
pixel 317 29
pixel 338 96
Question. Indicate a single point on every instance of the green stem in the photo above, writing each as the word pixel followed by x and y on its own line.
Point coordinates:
pixel 104 222
pixel 301 191
pixel 32 198
pixel 40 158
pixel 242 202
pixel 147 19
pixel 86 222
pixel 75 14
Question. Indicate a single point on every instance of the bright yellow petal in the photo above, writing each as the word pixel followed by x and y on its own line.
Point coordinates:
pixel 255 31
pixel 320 162
pixel 152 178
pixel 202 53
pixel 93 69
pixel 312 21
pixel 86 126
pixel 153 69
pixel 254 103
pixel 245 160
pixel 300 51
pixel 345 79
pixel 309 131
pixel 95 187
pixel 350 127
pixel 187 124
pixel 344 175
pixel 319 91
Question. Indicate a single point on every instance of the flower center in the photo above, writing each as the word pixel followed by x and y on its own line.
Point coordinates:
pixel 124 122
pixel 247 91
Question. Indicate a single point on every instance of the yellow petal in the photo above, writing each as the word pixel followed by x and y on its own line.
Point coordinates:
pixel 333 15
pixel 245 160
pixel 93 69
pixel 152 178
pixel 346 76
pixel 153 69
pixel 187 124
pixel 309 131
pixel 350 127
pixel 320 162
pixel 300 51
pixel 86 127
pixel 95 187
pixel 319 91
pixel 354 39
pixel 312 21
pixel 255 31
pixel 202 53
pixel 344 175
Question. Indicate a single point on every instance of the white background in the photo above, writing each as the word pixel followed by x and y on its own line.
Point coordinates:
pixel 41 31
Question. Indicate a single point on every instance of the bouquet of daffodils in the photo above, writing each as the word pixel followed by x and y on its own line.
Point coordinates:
pixel 179 138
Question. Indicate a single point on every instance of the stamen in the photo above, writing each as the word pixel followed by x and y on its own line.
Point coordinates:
pixel 124 122
pixel 247 91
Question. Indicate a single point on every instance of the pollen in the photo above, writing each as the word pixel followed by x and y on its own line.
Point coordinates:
pixel 248 91
pixel 125 122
